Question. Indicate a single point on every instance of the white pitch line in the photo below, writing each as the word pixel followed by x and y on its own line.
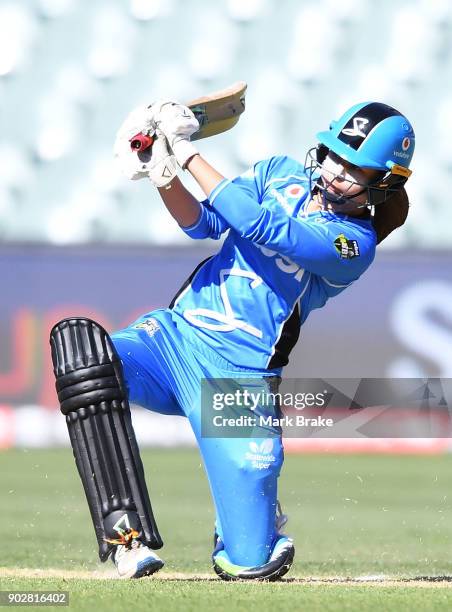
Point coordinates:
pixel 377 580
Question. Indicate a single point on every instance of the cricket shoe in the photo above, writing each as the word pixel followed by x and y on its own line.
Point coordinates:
pixel 279 563
pixel 136 560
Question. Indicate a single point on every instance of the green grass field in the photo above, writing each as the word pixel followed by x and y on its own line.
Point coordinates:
pixel 382 517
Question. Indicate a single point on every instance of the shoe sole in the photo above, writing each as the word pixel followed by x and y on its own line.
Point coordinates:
pixel 269 572
pixel 148 567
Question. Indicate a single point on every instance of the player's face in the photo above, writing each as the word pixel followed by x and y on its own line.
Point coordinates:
pixel 340 178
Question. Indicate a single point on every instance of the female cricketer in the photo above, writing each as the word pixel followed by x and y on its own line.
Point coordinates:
pixel 297 235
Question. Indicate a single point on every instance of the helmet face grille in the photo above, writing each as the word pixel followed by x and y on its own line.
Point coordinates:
pixel 382 187
pixel 355 131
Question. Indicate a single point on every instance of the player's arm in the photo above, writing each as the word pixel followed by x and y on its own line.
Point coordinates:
pixel 197 219
pixel 205 175
pixel 158 163
pixel 181 204
pixel 311 245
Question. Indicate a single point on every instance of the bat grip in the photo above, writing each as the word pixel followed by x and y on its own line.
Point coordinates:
pixel 140 142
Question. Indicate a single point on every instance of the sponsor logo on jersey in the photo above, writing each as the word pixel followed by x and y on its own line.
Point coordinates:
pixel 282 200
pixel 346 248
pixel 294 191
pixel 284 263
pixel 406 143
pixel 150 326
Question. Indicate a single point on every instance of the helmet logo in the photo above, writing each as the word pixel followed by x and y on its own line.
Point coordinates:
pixel 357 129
pixel 406 143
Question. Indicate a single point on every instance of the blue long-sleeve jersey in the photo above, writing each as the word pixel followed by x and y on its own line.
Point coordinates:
pixel 277 264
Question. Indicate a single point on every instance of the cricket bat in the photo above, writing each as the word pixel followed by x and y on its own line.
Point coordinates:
pixel 216 112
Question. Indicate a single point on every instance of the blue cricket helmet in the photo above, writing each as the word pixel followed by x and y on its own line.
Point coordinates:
pixel 372 135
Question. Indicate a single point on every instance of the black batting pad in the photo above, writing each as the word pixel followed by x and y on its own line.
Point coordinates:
pixel 93 397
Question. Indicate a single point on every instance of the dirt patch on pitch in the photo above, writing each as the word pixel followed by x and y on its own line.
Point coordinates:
pixel 377 580
pixel 22 572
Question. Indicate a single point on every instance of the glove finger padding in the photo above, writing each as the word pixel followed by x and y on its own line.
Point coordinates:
pixel 162 165
pixel 156 162
pixel 134 166
pixel 175 120
pixel 178 123
pixel 140 119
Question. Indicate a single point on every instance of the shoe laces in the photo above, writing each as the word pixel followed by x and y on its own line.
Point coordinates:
pixel 126 538
pixel 122 549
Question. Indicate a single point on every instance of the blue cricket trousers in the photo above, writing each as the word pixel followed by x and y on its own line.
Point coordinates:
pixel 164 362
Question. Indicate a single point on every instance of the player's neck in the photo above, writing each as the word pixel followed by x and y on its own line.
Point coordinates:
pixel 317 202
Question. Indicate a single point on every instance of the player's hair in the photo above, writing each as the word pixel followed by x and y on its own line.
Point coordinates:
pixel 390 215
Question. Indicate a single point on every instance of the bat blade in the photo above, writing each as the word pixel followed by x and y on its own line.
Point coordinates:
pixel 219 111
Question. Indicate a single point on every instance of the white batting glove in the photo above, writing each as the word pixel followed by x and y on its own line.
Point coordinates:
pixel 156 162
pixel 162 165
pixel 133 166
pixel 178 123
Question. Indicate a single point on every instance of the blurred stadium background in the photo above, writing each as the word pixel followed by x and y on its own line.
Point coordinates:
pixel 77 238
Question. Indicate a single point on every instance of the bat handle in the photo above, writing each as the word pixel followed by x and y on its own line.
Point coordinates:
pixel 140 142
